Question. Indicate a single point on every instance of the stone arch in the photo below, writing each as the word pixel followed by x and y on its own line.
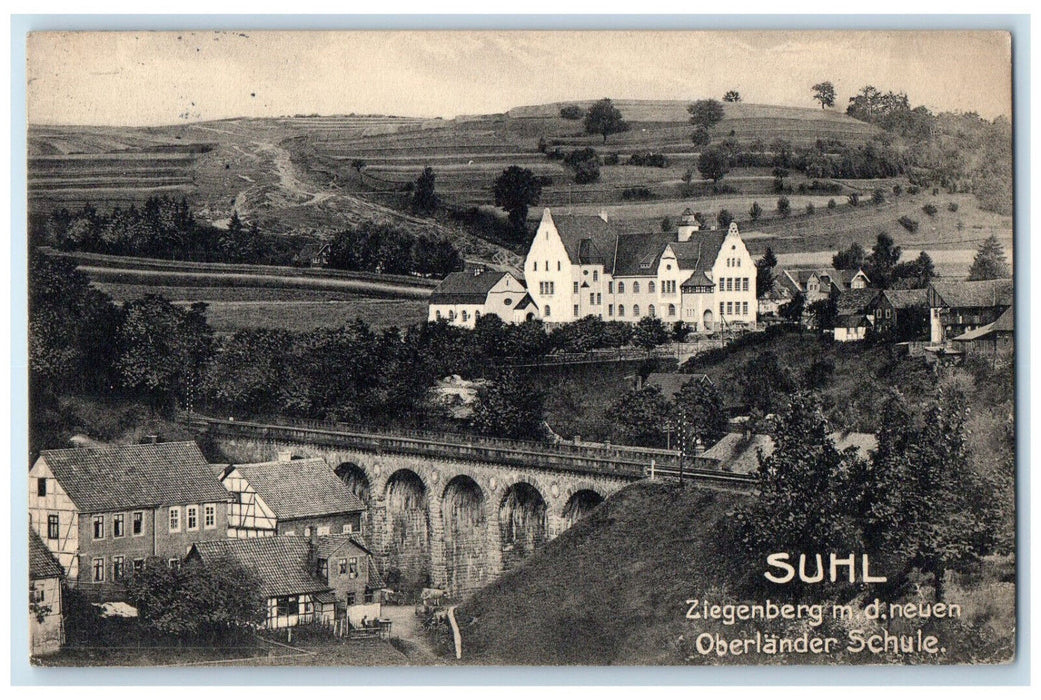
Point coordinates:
pixel 407 536
pixel 523 523
pixel 465 535
pixel 356 480
pixel 581 503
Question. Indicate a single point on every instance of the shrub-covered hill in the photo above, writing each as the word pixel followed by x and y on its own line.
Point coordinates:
pixel 613 590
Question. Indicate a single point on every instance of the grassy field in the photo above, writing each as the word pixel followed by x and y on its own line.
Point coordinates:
pixel 230 316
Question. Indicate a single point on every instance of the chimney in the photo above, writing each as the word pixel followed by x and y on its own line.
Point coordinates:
pixel 285 455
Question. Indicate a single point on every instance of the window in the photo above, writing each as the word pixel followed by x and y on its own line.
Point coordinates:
pixel 598 299
pixel 610 287
pixel 209 516
pixel 621 310
pixel 535 266
pixel 174 564
pixel 343 567
pixel 576 310
pixel 286 605
pixel 636 309
pixel 175 519
pixel 592 298
pixel 351 598
pixel 672 310
pixel 547 311
pixel 464 316
pixel 650 287
pixel 323 530
pixel 720 308
pixel 744 308
pixel 348 528
pixel 730 283
pixel 98 569
pixel 621 287
pixel 558 266
pixel 507 302
pixel 596 275
pixel 650 310
pixel 117 568
pixel 118 525
pixel 137 524
pixel 636 287
pixel 41 487
pixel 575 284
pixel 368 595
pixel 192 516
pixel 52 526
pixel 437 315
pixel 610 309
pixel 323 568
pixel 99 527
pixel 139 565
pixel 547 266
pixel 730 308
pixel 744 284
pixel 353 564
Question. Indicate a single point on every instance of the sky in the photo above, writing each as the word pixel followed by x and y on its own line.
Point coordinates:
pixel 160 78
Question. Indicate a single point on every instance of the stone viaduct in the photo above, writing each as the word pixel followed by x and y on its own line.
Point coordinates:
pixel 450 512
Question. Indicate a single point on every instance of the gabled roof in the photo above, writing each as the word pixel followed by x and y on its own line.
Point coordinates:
pixel 466 287
pixel 300 488
pixel 980 294
pixel 855 301
pixel 852 320
pixel 329 545
pixel 1006 322
pixel 907 298
pixel 42 563
pixel 738 452
pixel 135 476
pixel 525 302
pixel 698 279
pixel 588 240
pixel 670 383
pixel 283 564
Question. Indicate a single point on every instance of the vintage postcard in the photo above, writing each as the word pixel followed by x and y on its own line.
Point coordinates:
pixel 530 348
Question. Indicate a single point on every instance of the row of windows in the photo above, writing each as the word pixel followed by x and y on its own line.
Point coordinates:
pixel 733 284
pixel 99 573
pixel 651 311
pixel 547 288
pixel 191 517
pixel 733 308
pixel 347 566
pixel 464 315
pixel 535 267
pixel 733 262
pixel 119 525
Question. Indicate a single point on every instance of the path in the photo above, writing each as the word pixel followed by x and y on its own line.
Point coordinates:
pixel 407 626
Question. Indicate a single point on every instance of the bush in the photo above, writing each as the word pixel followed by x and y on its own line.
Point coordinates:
pixel 853 198
pixel 649 160
pixel 724 218
pixel 897 189
pixel 930 209
pixel 784 207
pixel 832 204
pixel 587 171
pixel 878 196
pixel 638 193
pixel 572 112
pixel 810 208
pixel 913 189
pixel 908 223
pixel 952 207
pixel 611 159
pixel 724 189
pixel 755 211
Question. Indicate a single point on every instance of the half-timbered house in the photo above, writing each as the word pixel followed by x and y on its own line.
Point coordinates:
pixel 46 628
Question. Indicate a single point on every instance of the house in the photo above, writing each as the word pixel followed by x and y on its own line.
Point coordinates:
pixel 770 303
pixel 956 307
pixel 584 265
pixel 896 310
pixel 305 579
pixel 739 452
pixel 286 570
pixel 463 297
pixel 103 511
pixel 816 283
pixel 853 318
pixel 670 383
pixel 46 627
pixel 289 497
pixel 992 340
pixel 313 255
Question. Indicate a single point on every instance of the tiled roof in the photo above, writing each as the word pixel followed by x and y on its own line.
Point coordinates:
pixel 854 301
pixel 1006 321
pixel 739 453
pixel 42 563
pixel 855 320
pixel 300 488
pixel 283 564
pixel 906 298
pixel 980 294
pixel 466 287
pixel 588 240
pixel 698 279
pixel 135 476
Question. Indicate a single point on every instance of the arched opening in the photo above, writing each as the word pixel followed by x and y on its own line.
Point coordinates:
pixel 708 319
pixel 522 523
pixel 580 505
pixel 356 480
pixel 408 532
pixel 462 513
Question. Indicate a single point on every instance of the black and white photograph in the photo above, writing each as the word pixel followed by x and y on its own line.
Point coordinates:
pixel 523 348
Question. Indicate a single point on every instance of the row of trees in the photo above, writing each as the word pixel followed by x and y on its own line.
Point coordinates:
pixel 384 248
pixel 883 266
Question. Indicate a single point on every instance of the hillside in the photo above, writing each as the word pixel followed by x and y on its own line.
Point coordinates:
pixel 613 590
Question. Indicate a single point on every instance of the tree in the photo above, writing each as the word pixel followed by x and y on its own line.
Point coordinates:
pixel 755 211
pixel 605 119
pixel 824 93
pixel 571 112
pixel 424 198
pixel 784 207
pixel 732 96
pixel 698 406
pixel 706 113
pixel 713 164
pixel 792 311
pixel 916 273
pixel 990 262
pixel 825 312
pixel 766 383
pixel 680 331
pixel 724 218
pixel 764 273
pixel 196 600
pixel 650 332
pixel 163 350
pixel 509 408
pixel 515 190
pixel 640 417
pixel 850 259
pixel 701 137
pixel 883 259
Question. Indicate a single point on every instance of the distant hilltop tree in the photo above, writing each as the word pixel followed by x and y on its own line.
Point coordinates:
pixel 706 113
pixel 824 93
pixel 732 96
pixel 989 263
pixel 605 119
pixel 515 190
